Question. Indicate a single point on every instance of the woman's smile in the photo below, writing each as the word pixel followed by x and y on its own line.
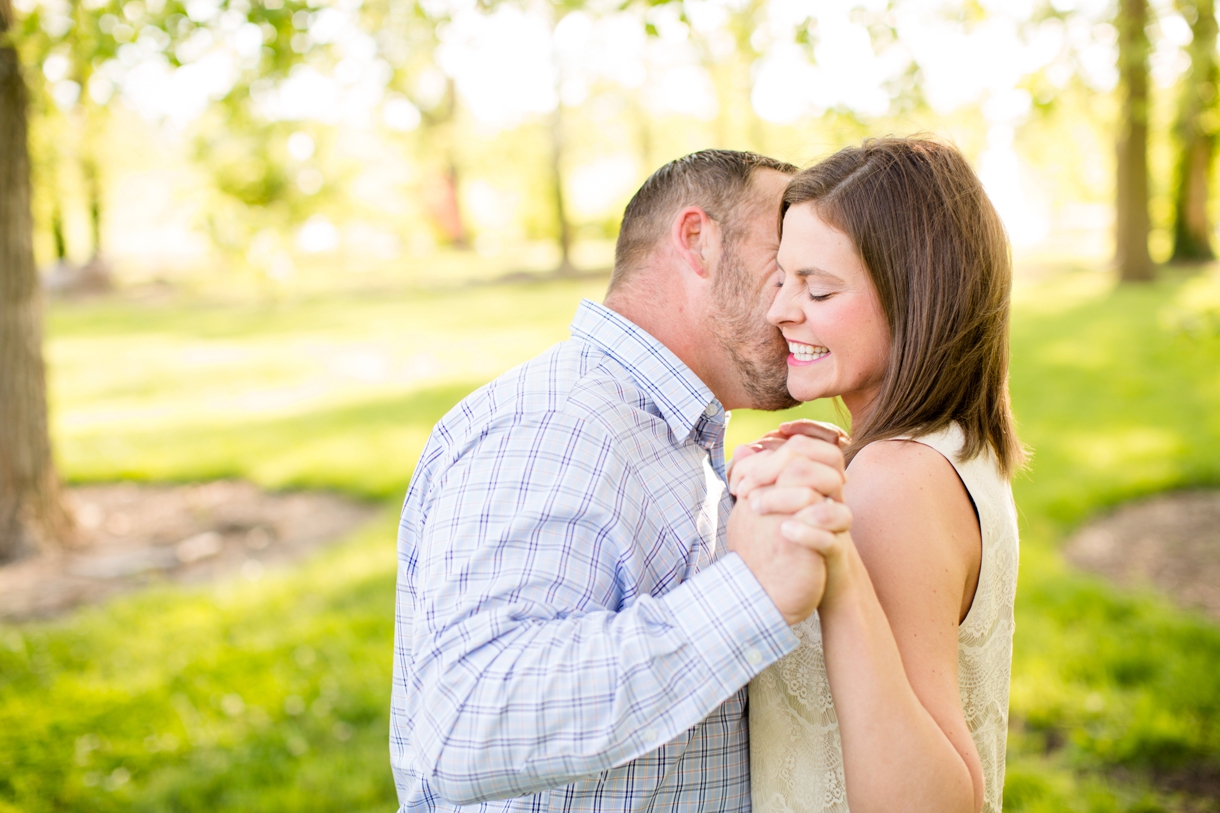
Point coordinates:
pixel 801 354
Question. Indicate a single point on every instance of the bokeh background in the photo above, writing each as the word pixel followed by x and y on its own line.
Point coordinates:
pixel 281 238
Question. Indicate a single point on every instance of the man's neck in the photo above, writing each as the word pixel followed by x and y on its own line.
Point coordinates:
pixel 672 319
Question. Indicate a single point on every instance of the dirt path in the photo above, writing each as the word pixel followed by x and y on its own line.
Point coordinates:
pixel 136 535
pixel 1170 542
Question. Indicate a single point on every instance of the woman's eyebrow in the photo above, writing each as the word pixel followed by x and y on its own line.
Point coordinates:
pixel 813 271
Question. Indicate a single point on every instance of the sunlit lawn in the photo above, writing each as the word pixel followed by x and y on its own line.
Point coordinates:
pixel 273 695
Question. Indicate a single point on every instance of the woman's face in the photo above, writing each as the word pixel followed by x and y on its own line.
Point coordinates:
pixel 827 309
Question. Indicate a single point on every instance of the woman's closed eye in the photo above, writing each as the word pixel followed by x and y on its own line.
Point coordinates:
pixel 820 297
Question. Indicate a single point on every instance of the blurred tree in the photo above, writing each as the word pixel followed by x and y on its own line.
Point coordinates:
pixel 57 230
pixel 47 157
pixel 1131 220
pixel 554 12
pixel 562 219
pixel 1196 131
pixel 69 43
pixel 87 47
pixel 50 189
pixel 96 273
pixel 732 70
pixel 33 512
pixel 558 10
pixel 263 190
pixel 439 123
pixel 408 38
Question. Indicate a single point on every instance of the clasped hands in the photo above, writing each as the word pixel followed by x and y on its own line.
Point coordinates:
pixel 790 523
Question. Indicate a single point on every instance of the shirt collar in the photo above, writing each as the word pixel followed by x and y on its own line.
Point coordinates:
pixel 684 400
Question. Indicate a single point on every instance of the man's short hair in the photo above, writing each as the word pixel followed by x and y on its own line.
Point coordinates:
pixel 717 181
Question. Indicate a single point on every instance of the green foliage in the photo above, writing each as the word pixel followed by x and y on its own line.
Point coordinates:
pixel 273 695
pixel 241 149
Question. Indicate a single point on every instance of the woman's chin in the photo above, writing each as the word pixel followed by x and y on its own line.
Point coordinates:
pixel 805 391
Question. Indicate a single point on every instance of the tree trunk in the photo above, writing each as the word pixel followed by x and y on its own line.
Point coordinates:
pixel 1196 132
pixel 445 203
pixel 558 146
pixel 645 142
pixel 32 508
pixel 561 209
pixel 461 239
pixel 57 230
pixel 93 188
pixel 1131 178
pixel 95 277
pixel 450 205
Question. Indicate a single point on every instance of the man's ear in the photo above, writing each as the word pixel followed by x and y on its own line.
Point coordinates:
pixel 696 238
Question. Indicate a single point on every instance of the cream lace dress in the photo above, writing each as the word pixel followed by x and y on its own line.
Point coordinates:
pixel 796 760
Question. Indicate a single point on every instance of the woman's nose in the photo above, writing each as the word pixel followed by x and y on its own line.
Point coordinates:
pixel 783 308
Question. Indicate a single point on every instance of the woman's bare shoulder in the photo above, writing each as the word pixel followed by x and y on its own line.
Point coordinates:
pixel 908 500
pixel 902 470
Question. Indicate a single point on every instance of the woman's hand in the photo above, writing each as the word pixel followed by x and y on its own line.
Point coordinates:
pixel 824 527
pixel 802 469
pixel 819 430
pixel 776 438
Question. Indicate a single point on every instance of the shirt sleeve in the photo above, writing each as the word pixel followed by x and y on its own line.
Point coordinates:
pixel 532 664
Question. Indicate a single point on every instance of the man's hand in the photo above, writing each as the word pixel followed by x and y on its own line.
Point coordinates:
pixel 770 487
pixel 793 575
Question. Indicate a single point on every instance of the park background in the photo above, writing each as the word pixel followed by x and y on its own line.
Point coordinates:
pixel 279 239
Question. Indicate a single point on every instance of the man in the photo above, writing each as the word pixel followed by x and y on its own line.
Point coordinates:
pixel 578 611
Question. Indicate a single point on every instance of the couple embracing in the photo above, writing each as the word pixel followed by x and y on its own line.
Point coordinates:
pixel 595 614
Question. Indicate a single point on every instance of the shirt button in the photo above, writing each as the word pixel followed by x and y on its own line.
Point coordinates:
pixel 710 410
pixel 650 734
pixel 754 656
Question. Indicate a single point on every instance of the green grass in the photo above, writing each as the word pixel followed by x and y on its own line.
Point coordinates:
pixel 335 391
pixel 273 694
pixel 247 696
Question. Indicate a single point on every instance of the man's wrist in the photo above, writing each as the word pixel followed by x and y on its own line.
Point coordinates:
pixel 732 622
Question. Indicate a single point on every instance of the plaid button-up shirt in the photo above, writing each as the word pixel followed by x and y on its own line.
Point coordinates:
pixel 571 633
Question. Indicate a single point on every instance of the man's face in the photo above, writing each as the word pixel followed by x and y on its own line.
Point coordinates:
pixel 743 290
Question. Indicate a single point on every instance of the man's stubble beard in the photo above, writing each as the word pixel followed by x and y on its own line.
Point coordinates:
pixel 756 347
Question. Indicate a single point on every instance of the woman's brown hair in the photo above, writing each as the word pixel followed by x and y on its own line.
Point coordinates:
pixel 940 261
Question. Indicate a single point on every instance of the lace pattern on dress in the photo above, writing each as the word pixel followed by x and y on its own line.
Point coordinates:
pixel 796 758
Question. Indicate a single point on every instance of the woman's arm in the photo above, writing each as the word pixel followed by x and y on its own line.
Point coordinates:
pixel 897 587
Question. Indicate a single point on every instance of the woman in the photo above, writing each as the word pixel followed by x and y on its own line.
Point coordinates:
pixel 894 295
